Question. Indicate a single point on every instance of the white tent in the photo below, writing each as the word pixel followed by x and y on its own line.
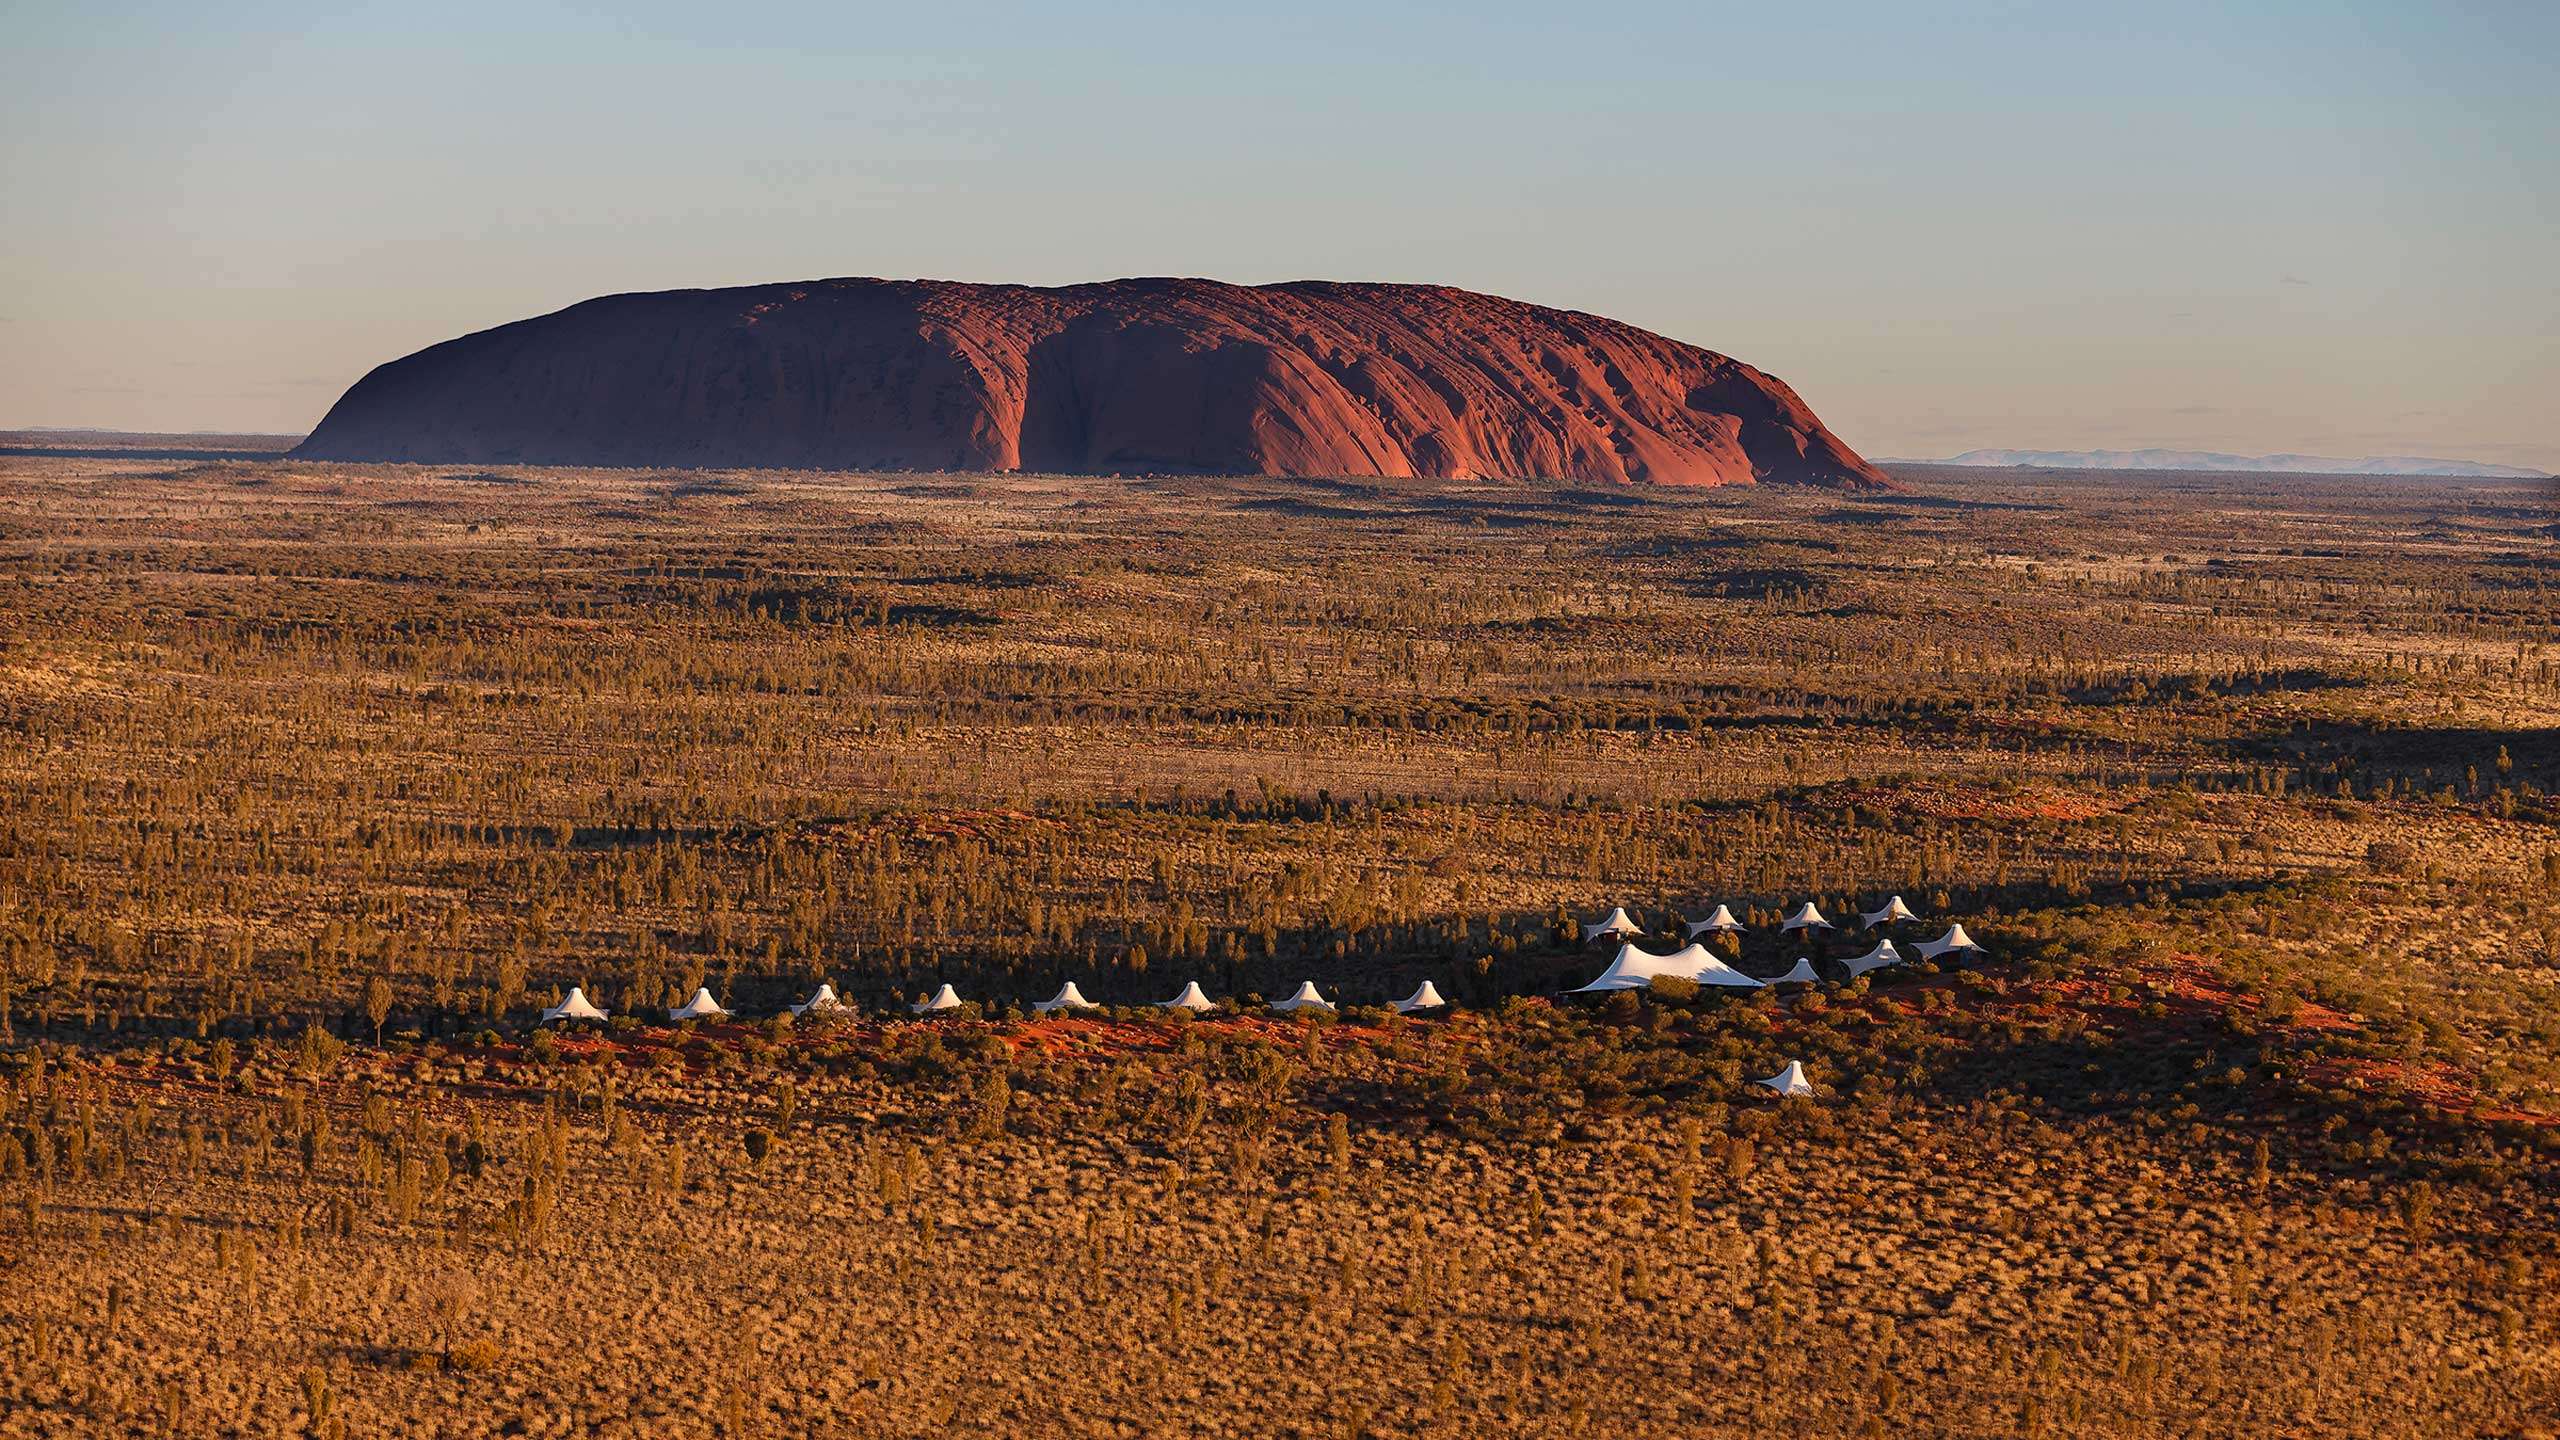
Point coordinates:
pixel 1802 974
pixel 1807 917
pixel 1789 1081
pixel 822 1003
pixel 1884 954
pixel 945 998
pixel 1616 922
pixel 1190 999
pixel 1305 999
pixel 1955 939
pixel 576 1007
pixel 1634 969
pixel 1425 996
pixel 700 1007
pixel 1067 998
pixel 1720 923
pixel 1894 910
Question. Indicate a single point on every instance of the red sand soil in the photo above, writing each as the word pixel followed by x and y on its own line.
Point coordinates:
pixel 2034 802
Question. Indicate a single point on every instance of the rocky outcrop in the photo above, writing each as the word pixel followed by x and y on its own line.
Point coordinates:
pixel 1311 378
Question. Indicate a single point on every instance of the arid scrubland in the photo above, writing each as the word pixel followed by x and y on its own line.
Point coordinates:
pixel 315 782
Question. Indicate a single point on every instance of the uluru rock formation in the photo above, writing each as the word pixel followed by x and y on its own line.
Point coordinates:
pixel 1312 378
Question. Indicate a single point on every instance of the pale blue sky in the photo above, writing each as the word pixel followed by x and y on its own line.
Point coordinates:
pixel 2280 226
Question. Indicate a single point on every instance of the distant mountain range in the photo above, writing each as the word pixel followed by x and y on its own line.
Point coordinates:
pixel 2211 460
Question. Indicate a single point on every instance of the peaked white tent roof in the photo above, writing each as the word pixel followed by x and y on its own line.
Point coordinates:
pixel 1616 922
pixel 1191 998
pixel 1067 998
pixel 823 1003
pixel 1425 996
pixel 1807 917
pixel 1802 974
pixel 1721 923
pixel 945 998
pixel 1893 910
pixel 576 1007
pixel 1789 1081
pixel 1884 954
pixel 1954 939
pixel 1634 969
pixel 700 1007
pixel 1305 999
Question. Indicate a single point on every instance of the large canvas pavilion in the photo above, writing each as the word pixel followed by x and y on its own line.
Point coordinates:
pixel 1636 968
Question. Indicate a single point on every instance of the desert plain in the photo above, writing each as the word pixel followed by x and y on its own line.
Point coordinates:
pixel 318 781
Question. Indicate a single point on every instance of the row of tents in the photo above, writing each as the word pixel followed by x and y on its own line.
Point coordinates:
pixel 576 1006
pixel 1633 968
pixel 1807 916
pixel 1787 1083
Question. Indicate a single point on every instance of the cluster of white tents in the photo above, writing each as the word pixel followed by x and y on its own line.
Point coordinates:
pixel 1636 968
pixel 702 1006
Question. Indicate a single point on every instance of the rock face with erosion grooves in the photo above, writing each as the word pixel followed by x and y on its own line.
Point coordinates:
pixel 1310 378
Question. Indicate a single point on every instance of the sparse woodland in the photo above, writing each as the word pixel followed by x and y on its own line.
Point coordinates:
pixel 317 782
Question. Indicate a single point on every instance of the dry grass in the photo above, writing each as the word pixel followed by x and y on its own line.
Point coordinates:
pixel 2242 1128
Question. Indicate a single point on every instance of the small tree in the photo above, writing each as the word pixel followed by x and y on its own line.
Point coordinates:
pixel 995 1099
pixel 317 1050
pixel 2417 1201
pixel 316 1397
pixel 377 1005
